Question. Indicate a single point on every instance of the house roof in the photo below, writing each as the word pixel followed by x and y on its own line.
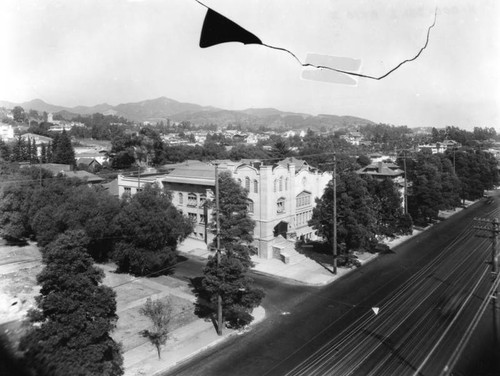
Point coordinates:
pixel 36 137
pixel 112 187
pixel 195 172
pixel 86 161
pixel 381 169
pixel 84 175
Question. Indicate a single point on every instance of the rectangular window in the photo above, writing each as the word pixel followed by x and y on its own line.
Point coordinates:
pixel 193 217
pixel 192 200
pixel 202 218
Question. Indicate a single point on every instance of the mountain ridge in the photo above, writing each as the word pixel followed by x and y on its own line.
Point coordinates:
pixel 163 108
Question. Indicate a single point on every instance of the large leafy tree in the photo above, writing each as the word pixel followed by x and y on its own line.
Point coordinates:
pixel 356 217
pixel 229 280
pixel 59 207
pixel 148 229
pixel 427 196
pixel 391 220
pixel 70 328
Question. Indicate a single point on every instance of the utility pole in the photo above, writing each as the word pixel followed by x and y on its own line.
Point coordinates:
pixel 334 213
pixel 494 229
pixel 406 186
pixel 217 234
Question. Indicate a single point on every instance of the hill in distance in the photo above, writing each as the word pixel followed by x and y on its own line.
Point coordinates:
pixel 163 108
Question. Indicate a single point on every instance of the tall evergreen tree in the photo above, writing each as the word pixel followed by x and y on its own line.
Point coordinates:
pixel 63 151
pixel 229 277
pixel 70 332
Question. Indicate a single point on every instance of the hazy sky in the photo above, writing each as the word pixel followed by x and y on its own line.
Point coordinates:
pixel 86 52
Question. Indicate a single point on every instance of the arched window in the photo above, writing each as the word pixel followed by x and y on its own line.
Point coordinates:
pixel 247 184
pixel 281 183
pixel 192 199
pixel 280 205
pixel 181 199
pixel 255 186
pixel 275 184
pixel 250 206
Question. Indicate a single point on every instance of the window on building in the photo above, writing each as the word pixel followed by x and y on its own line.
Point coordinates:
pixel 286 184
pixel 247 184
pixel 202 218
pixel 239 181
pixel 192 199
pixel 255 186
pixel 303 199
pixel 281 183
pixel 203 199
pixel 280 205
pixel 275 184
pixel 250 206
pixel 181 198
pixel 193 217
pixel 128 190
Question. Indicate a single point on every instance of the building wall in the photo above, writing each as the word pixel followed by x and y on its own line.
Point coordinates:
pixel 276 194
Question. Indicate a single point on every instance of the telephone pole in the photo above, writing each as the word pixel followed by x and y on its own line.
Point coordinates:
pixel 334 213
pixel 217 235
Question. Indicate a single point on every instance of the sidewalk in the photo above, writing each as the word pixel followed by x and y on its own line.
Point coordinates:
pixel 183 343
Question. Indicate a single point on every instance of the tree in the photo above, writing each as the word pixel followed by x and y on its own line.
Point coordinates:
pixel 160 313
pixel 229 280
pixel 70 328
pixel 19 114
pixel 356 217
pixel 63 151
pixel 235 225
pixel 280 149
pixel 391 220
pixel 148 229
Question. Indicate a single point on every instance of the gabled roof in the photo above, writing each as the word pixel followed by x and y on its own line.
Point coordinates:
pixel 381 169
pixel 86 161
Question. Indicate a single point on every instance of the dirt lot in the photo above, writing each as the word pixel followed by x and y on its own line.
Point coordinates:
pixel 19 266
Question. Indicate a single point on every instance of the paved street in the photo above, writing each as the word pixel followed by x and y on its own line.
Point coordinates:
pixel 333 330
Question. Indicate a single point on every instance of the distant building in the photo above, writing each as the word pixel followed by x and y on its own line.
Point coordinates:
pixel 381 171
pixel 6 132
pixel 439 147
pixel 281 197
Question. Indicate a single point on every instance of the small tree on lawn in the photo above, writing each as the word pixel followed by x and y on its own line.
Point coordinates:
pixel 160 314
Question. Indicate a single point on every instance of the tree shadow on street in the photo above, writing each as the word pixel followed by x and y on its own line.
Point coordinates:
pixel 203 308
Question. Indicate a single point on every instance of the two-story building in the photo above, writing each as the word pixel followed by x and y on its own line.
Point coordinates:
pixel 281 197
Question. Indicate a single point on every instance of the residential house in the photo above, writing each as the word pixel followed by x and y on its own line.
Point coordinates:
pixel 88 163
pixel 6 132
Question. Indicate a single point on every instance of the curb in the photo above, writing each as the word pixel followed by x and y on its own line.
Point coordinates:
pixel 211 344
